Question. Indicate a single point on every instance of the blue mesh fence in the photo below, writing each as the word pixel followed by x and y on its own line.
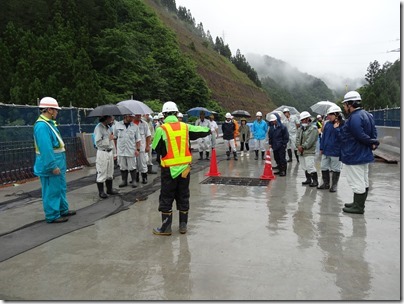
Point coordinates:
pixel 387 117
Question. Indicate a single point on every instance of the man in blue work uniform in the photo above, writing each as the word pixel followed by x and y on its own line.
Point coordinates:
pixel 171 141
pixel 50 163
pixel 358 138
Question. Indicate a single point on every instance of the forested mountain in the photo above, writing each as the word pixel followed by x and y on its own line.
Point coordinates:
pixel 287 85
pixel 89 52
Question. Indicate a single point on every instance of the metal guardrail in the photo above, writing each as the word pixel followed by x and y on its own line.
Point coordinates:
pixel 17 159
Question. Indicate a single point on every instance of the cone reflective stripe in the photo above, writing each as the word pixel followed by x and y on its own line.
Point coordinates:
pixel 268 174
pixel 213 165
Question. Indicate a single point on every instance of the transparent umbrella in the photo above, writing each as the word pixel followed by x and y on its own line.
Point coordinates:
pixel 321 107
pixel 292 110
pixel 136 106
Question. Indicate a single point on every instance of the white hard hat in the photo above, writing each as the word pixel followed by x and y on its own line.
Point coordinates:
pixel 285 110
pixel 351 96
pixel 318 116
pixel 155 117
pixel 334 109
pixel 258 114
pixel 169 106
pixel 179 114
pixel 160 115
pixel 304 115
pixel 228 115
pixel 272 117
pixel 49 102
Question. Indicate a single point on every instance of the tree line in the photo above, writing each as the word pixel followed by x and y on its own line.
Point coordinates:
pixel 91 52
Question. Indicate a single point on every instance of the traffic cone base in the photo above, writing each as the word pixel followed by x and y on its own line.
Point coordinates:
pixel 213 165
pixel 268 173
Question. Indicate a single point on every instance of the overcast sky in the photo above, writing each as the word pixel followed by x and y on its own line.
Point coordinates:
pixel 317 36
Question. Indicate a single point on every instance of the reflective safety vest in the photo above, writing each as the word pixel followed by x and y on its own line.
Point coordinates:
pixel 61 147
pixel 177 145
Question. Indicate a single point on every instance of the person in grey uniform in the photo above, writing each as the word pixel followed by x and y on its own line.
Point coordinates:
pixel 104 141
pixel 128 141
pixel 292 123
pixel 145 136
pixel 148 119
pixel 205 142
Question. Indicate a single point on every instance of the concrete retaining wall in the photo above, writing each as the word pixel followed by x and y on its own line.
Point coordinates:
pixel 390 139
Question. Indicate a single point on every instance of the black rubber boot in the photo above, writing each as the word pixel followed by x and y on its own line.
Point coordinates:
pixel 124 175
pixel 256 155
pixel 358 204
pixel 137 176
pixel 335 178
pixel 183 221
pixel 207 155
pixel 308 178
pixel 349 205
pixel 101 192
pixel 314 180
pixel 297 156
pixel 133 176
pixel 165 229
pixel 235 155
pixel 282 170
pixel 200 156
pixel 326 180
pixel 263 155
pixel 290 155
pixel 150 169
pixel 144 178
pixel 110 190
pixel 228 155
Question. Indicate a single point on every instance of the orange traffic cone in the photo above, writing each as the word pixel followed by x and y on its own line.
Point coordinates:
pixel 213 165
pixel 268 174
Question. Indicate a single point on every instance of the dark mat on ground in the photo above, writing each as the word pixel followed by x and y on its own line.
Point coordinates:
pixel 37 233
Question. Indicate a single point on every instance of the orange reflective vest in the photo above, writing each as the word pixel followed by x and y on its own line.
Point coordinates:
pixel 177 145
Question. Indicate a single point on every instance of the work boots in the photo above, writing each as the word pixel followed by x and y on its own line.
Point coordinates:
pixel 256 155
pixel 308 178
pixel 124 175
pixel 335 178
pixel 207 155
pixel 101 192
pixel 235 155
pixel 133 176
pixel 166 219
pixel 290 155
pixel 183 221
pixel 349 205
pixel 150 169
pixel 263 155
pixel 110 190
pixel 358 204
pixel 314 180
pixel 200 156
pixel 297 156
pixel 228 155
pixel 326 180
pixel 144 178
pixel 282 170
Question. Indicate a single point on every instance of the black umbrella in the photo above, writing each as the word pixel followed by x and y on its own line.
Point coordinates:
pixel 110 110
pixel 241 113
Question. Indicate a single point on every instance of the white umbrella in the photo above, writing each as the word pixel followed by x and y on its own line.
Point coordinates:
pixel 292 110
pixel 136 106
pixel 321 107
pixel 280 113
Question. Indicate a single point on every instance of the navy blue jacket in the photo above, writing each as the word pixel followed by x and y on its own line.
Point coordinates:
pixel 278 136
pixel 228 130
pixel 329 142
pixel 357 136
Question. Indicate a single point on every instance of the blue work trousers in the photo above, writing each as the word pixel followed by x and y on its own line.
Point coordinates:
pixel 54 196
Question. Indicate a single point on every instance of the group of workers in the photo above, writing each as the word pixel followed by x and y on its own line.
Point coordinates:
pixel 350 142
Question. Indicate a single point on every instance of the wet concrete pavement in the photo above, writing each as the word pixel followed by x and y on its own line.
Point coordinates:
pixel 281 242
